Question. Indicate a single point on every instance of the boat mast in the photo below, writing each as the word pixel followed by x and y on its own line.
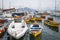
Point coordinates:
pixel 2 8
pixel 2 4
pixel 55 8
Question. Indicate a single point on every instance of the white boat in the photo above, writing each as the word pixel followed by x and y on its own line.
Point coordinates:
pixel 17 29
pixel 8 16
pixel 58 14
pixel 52 13
pixel 35 29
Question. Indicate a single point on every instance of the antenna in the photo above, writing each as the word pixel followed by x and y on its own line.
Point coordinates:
pixel 2 5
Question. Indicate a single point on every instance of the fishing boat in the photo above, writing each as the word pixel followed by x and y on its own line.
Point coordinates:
pixel 46 22
pixel 27 20
pixel 53 14
pixel 35 31
pixel 39 19
pixel 56 13
pixel 54 24
pixel 32 19
pixel 3 27
pixel 51 23
pixel 17 28
pixel 7 13
pixel 44 15
pixel 49 18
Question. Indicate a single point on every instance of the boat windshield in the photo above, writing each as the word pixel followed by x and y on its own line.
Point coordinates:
pixel 35 25
pixel 18 20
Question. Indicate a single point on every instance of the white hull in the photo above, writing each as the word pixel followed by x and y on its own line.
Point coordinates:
pixel 55 14
pixel 9 18
pixel 18 31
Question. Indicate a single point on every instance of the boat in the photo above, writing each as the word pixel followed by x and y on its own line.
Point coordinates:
pixel 53 14
pixel 3 27
pixel 56 14
pixel 35 29
pixel 49 18
pixel 39 19
pixel 7 13
pixel 46 22
pixel 17 28
pixel 43 15
pixel 54 24
pixel 33 19
pixel 51 23
pixel 27 20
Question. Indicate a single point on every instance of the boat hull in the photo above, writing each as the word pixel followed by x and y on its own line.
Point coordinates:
pixel 18 30
pixel 22 38
pixel 1 33
pixel 38 37
pixel 37 34
pixel 51 23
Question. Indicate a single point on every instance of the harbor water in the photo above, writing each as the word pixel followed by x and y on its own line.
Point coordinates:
pixel 48 33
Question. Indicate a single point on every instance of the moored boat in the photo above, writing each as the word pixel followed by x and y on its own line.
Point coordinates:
pixel 51 23
pixel 27 20
pixel 35 31
pixel 3 27
pixel 17 28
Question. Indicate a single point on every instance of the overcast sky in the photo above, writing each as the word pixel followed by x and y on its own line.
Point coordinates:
pixel 34 4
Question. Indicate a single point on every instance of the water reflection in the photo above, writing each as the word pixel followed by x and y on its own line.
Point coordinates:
pixel 51 33
pixel 56 29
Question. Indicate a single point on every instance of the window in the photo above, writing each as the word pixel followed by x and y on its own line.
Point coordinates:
pixel 18 20
pixel 35 25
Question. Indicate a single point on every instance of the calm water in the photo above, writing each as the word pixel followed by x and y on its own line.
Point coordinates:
pixel 51 33
pixel 47 34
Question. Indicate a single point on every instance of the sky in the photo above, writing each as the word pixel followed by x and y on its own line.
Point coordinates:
pixel 34 4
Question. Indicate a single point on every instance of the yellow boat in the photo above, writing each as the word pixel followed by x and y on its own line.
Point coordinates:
pixel 36 33
pixel 39 19
pixel 35 29
pixel 46 22
pixel 51 23
pixel 27 20
pixel 54 24
pixel 33 19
